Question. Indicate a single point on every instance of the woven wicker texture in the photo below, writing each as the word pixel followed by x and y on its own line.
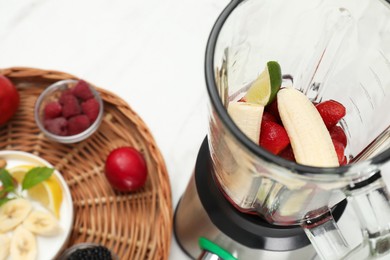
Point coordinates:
pixel 134 225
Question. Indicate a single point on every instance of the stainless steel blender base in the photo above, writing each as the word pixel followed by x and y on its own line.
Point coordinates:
pixel 203 211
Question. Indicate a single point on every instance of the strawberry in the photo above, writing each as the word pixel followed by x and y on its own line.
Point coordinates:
pixel 337 133
pixel 57 126
pixel 78 124
pixel 331 112
pixel 268 117
pixel 71 106
pixel 339 147
pixel 272 108
pixel 287 153
pixel 91 109
pixel 344 161
pixel 273 137
pixel 82 90
pixel 52 110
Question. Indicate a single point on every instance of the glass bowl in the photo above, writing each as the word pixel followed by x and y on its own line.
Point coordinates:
pixel 52 94
pixel 68 252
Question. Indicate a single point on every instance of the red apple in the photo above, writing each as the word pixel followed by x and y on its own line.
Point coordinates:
pixel 9 99
pixel 126 169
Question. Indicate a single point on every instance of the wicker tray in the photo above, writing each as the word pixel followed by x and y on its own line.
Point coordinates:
pixel 134 225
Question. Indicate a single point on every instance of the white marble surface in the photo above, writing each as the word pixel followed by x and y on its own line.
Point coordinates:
pixel 151 53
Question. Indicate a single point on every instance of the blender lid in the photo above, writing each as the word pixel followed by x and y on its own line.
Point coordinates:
pixel 247 229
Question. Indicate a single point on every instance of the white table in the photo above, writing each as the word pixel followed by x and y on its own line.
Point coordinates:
pixel 150 53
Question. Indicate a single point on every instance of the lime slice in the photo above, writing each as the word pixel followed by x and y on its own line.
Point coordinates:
pixel 263 90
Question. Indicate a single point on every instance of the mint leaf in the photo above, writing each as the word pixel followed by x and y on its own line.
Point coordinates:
pixel 35 176
pixel 7 181
pixel 4 191
pixel 4 200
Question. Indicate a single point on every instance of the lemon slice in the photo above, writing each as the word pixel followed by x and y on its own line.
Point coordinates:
pixel 264 89
pixel 48 192
pixel 18 172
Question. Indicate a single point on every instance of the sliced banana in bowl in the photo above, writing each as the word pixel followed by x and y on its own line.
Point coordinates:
pixel 26 222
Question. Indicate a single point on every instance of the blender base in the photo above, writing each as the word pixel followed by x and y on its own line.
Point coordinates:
pixel 203 211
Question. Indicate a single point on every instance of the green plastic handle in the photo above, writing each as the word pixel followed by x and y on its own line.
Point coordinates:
pixel 208 245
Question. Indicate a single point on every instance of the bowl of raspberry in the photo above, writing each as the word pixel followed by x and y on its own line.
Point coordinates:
pixel 69 111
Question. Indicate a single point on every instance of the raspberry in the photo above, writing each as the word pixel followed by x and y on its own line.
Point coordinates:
pixel 57 126
pixel 273 137
pixel 71 106
pixel 82 90
pixel 52 110
pixel 91 109
pixel 78 124
pixel 63 96
pixel 331 112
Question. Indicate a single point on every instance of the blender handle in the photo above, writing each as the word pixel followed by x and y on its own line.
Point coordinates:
pixel 212 251
pixel 324 234
pixel 370 200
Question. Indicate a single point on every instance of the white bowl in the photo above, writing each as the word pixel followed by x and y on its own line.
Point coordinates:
pixel 48 247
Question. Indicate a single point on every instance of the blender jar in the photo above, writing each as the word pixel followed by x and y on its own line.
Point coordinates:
pixel 328 49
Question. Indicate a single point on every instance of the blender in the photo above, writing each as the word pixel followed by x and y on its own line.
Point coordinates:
pixel 328 49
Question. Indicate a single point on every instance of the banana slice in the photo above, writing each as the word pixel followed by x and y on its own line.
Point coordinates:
pixel 247 117
pixel 310 140
pixel 23 245
pixel 4 246
pixel 42 223
pixel 13 213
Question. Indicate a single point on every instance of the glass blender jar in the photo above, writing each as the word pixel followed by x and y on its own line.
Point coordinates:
pixel 328 49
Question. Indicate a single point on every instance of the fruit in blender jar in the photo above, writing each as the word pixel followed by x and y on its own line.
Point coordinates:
pixel 23 244
pixel 9 99
pixel 337 133
pixel 247 117
pixel 287 153
pixel 339 148
pixel 126 169
pixel 74 112
pixel 248 111
pixel 264 89
pixel 268 117
pixel 309 137
pixel 273 137
pixel 331 112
